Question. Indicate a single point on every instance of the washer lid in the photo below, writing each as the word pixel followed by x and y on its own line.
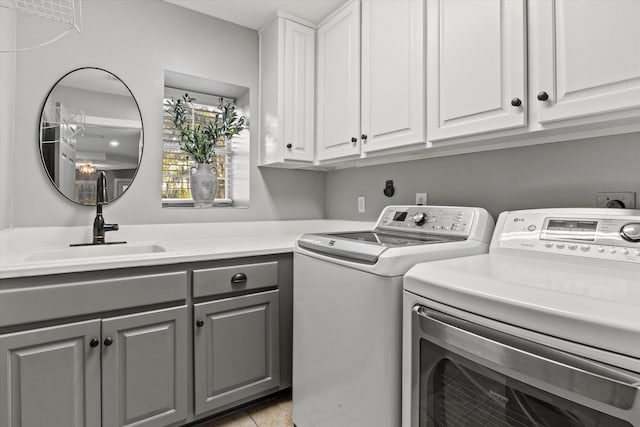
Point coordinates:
pixel 597 305
pixel 365 246
pixel 392 239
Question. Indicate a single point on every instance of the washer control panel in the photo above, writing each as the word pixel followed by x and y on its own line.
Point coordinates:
pixel 452 221
pixel 615 237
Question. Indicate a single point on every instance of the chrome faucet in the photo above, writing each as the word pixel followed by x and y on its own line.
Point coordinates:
pixel 99 227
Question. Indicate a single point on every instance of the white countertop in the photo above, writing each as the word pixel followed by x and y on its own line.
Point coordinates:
pixel 181 243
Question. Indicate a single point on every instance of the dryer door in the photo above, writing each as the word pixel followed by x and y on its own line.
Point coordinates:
pixel 465 374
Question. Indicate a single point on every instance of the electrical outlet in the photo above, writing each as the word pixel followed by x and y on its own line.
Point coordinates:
pixel 361 204
pixel 618 199
pixel 421 198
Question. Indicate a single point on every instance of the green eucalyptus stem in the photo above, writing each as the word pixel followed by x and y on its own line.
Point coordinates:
pixel 197 141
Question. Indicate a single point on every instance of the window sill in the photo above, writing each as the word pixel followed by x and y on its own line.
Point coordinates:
pixel 188 203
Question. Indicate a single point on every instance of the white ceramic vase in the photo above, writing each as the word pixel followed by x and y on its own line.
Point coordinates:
pixel 203 185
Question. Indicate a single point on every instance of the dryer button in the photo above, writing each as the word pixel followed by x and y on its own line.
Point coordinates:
pixel 572 247
pixel 560 245
pixel 600 249
pixel 548 245
pixel 585 248
pixel 612 250
pixel 625 252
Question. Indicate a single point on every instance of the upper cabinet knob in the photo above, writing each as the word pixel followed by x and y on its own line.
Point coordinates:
pixel 289 146
pixel 516 102
pixel 200 323
pixel 543 96
pixel 108 341
pixel 354 139
pixel 94 343
pixel 364 137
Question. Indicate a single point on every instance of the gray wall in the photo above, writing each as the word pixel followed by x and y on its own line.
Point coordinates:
pixel 7 94
pixel 563 174
pixel 137 40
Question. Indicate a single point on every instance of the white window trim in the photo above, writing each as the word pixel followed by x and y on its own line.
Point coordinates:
pixel 188 203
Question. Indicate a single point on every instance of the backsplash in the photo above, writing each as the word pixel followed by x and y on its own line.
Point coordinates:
pixel 566 174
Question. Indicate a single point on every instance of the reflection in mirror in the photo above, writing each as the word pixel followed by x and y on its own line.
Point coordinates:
pixel 90 122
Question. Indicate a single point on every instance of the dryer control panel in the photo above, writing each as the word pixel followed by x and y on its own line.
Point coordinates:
pixel 612 234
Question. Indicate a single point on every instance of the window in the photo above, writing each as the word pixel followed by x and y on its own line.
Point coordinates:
pixel 176 166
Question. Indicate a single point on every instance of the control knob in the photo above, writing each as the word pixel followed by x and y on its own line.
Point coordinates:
pixel 631 232
pixel 419 218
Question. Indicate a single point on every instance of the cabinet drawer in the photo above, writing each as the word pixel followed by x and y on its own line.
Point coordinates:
pixel 215 281
pixel 58 300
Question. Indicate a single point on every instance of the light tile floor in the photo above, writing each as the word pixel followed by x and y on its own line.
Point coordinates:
pixel 274 413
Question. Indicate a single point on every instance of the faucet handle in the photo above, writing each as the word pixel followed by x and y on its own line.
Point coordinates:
pixel 111 227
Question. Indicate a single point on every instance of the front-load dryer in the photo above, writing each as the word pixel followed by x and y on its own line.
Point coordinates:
pixel 544 330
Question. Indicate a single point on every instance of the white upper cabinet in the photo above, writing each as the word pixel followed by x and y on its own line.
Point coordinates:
pixel 587 59
pixel 393 113
pixel 338 102
pixel 299 90
pixel 475 67
pixel 287 93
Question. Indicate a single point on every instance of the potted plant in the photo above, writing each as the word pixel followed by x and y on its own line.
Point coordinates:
pixel 198 141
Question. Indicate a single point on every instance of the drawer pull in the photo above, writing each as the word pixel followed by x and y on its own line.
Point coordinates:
pixel 238 278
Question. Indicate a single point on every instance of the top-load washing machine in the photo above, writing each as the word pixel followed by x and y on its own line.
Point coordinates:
pixel 544 330
pixel 347 321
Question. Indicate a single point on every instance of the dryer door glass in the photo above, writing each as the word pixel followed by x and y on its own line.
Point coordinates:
pixel 458 392
pixel 473 376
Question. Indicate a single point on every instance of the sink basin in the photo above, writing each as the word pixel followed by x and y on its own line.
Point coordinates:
pixel 92 252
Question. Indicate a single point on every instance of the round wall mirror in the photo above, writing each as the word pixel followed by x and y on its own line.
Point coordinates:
pixel 90 122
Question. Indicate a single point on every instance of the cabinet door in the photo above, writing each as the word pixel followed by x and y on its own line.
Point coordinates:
pixel 144 369
pixel 299 91
pixel 393 97
pixel 339 85
pixel 51 377
pixel 236 349
pixel 588 56
pixel 475 67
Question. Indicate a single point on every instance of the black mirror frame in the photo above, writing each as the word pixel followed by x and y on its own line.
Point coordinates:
pixel 44 103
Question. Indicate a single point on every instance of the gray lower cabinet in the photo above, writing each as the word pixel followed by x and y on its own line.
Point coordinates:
pixel 144 369
pixel 51 377
pixel 134 366
pixel 236 349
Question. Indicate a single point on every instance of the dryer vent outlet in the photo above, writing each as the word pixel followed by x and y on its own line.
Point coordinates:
pixel 620 199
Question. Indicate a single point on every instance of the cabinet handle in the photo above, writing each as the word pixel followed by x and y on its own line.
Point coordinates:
pixel 200 323
pixel 108 341
pixel 94 343
pixel 289 146
pixel 516 102
pixel 238 278
pixel 354 140
pixel 364 137
pixel 543 96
